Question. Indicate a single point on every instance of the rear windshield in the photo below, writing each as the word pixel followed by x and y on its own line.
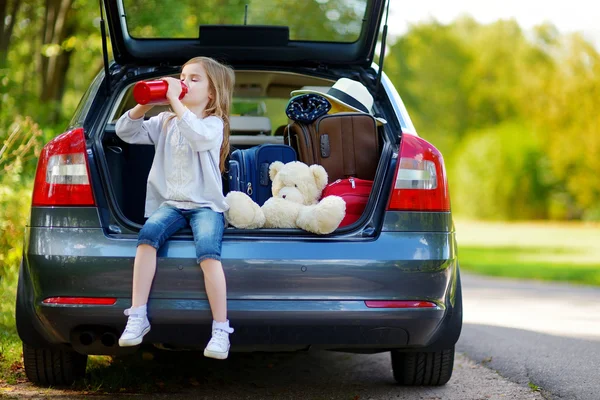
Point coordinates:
pixel 308 20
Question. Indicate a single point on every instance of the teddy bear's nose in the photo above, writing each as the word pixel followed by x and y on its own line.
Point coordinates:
pixel 284 196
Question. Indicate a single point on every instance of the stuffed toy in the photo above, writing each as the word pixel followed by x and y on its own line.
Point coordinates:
pixel 295 203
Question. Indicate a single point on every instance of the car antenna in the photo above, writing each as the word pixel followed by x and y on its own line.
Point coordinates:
pixel 104 49
pixel 382 54
pixel 246 14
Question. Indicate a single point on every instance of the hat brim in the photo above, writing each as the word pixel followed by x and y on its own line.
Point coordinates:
pixel 380 121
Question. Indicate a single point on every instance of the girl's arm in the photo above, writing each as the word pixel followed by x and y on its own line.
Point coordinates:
pixel 139 111
pixel 132 128
pixel 202 134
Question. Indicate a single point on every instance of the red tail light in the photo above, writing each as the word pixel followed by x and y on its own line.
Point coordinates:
pixel 92 301
pixel 420 183
pixel 62 176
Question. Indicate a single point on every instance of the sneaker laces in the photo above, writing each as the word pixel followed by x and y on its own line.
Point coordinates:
pixel 220 337
pixel 134 322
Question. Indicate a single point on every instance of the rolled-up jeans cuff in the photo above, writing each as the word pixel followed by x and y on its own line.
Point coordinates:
pixel 208 257
pixel 149 242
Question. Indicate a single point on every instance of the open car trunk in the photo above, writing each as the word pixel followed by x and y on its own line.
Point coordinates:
pixel 258 117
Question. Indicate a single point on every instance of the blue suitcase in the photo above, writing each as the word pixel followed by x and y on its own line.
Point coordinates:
pixel 249 169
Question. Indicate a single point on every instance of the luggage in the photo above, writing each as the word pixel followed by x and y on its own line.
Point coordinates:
pixel 249 169
pixel 345 144
pixel 355 193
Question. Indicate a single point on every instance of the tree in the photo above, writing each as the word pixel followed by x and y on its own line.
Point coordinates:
pixel 492 93
pixel 8 12
pixel 427 66
pixel 54 60
pixel 567 113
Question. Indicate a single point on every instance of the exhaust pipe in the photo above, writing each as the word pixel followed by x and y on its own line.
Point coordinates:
pixel 98 340
pixel 108 339
pixel 86 338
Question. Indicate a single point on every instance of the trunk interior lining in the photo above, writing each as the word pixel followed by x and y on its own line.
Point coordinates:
pixel 129 165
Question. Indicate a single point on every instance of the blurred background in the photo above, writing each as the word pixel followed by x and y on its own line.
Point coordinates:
pixel 509 92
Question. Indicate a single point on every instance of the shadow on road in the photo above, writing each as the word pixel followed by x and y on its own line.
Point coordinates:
pixel 313 375
pixel 278 375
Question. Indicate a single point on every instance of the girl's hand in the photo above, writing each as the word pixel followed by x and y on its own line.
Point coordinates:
pixel 174 90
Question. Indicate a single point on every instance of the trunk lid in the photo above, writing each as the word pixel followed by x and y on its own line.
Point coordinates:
pixel 274 32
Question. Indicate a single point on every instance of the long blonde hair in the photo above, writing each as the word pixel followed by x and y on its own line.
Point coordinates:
pixel 221 80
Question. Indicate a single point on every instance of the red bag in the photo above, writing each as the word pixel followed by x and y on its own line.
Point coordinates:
pixel 355 193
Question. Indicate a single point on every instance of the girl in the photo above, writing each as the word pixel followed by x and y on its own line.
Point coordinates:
pixel 184 186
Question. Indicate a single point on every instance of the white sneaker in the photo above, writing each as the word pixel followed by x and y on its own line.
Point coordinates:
pixel 137 327
pixel 218 347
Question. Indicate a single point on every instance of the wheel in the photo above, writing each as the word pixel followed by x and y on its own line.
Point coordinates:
pixel 44 366
pixel 423 368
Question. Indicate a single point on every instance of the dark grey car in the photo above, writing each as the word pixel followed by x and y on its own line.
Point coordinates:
pixel 387 283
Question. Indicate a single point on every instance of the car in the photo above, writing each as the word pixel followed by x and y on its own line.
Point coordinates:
pixel 389 282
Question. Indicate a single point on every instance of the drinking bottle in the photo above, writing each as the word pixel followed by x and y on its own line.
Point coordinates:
pixel 154 92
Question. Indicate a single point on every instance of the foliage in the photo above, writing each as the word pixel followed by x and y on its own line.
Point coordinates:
pixel 22 145
pixel 500 173
pixel 19 148
pixel 427 67
pixel 464 83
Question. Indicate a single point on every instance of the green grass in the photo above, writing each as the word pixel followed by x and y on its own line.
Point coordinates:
pixel 568 252
pixel 534 387
pixel 11 360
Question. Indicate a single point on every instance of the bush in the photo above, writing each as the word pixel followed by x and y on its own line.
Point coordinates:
pixel 21 144
pixel 500 173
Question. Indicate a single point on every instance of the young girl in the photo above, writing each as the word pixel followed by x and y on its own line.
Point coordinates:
pixel 184 186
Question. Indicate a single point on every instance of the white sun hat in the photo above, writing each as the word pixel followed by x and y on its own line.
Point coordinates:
pixel 347 92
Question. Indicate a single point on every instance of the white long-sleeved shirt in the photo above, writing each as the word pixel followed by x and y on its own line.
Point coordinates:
pixel 185 170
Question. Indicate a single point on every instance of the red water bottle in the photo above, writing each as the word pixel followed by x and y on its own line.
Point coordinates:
pixel 154 92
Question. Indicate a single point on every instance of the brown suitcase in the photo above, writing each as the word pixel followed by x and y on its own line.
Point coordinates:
pixel 345 144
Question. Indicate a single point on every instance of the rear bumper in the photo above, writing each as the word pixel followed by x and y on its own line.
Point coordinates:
pixel 258 324
pixel 280 294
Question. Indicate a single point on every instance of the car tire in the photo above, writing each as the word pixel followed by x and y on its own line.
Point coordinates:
pixel 54 367
pixel 423 368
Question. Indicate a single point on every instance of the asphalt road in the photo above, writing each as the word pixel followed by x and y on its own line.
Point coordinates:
pixel 311 375
pixel 546 334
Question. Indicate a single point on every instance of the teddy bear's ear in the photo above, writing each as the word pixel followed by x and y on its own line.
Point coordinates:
pixel 320 175
pixel 274 169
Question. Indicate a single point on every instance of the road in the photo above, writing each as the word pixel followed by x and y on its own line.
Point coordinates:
pixel 312 375
pixel 532 334
pixel 546 334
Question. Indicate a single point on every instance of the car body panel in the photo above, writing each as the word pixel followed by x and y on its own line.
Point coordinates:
pixel 277 294
pixel 85 262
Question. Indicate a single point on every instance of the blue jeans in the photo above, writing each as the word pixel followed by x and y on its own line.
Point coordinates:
pixel 207 226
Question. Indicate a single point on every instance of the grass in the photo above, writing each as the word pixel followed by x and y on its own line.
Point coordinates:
pixel 568 252
pixel 534 387
pixel 11 360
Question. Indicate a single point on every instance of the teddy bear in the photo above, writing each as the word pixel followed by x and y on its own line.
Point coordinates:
pixel 296 190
